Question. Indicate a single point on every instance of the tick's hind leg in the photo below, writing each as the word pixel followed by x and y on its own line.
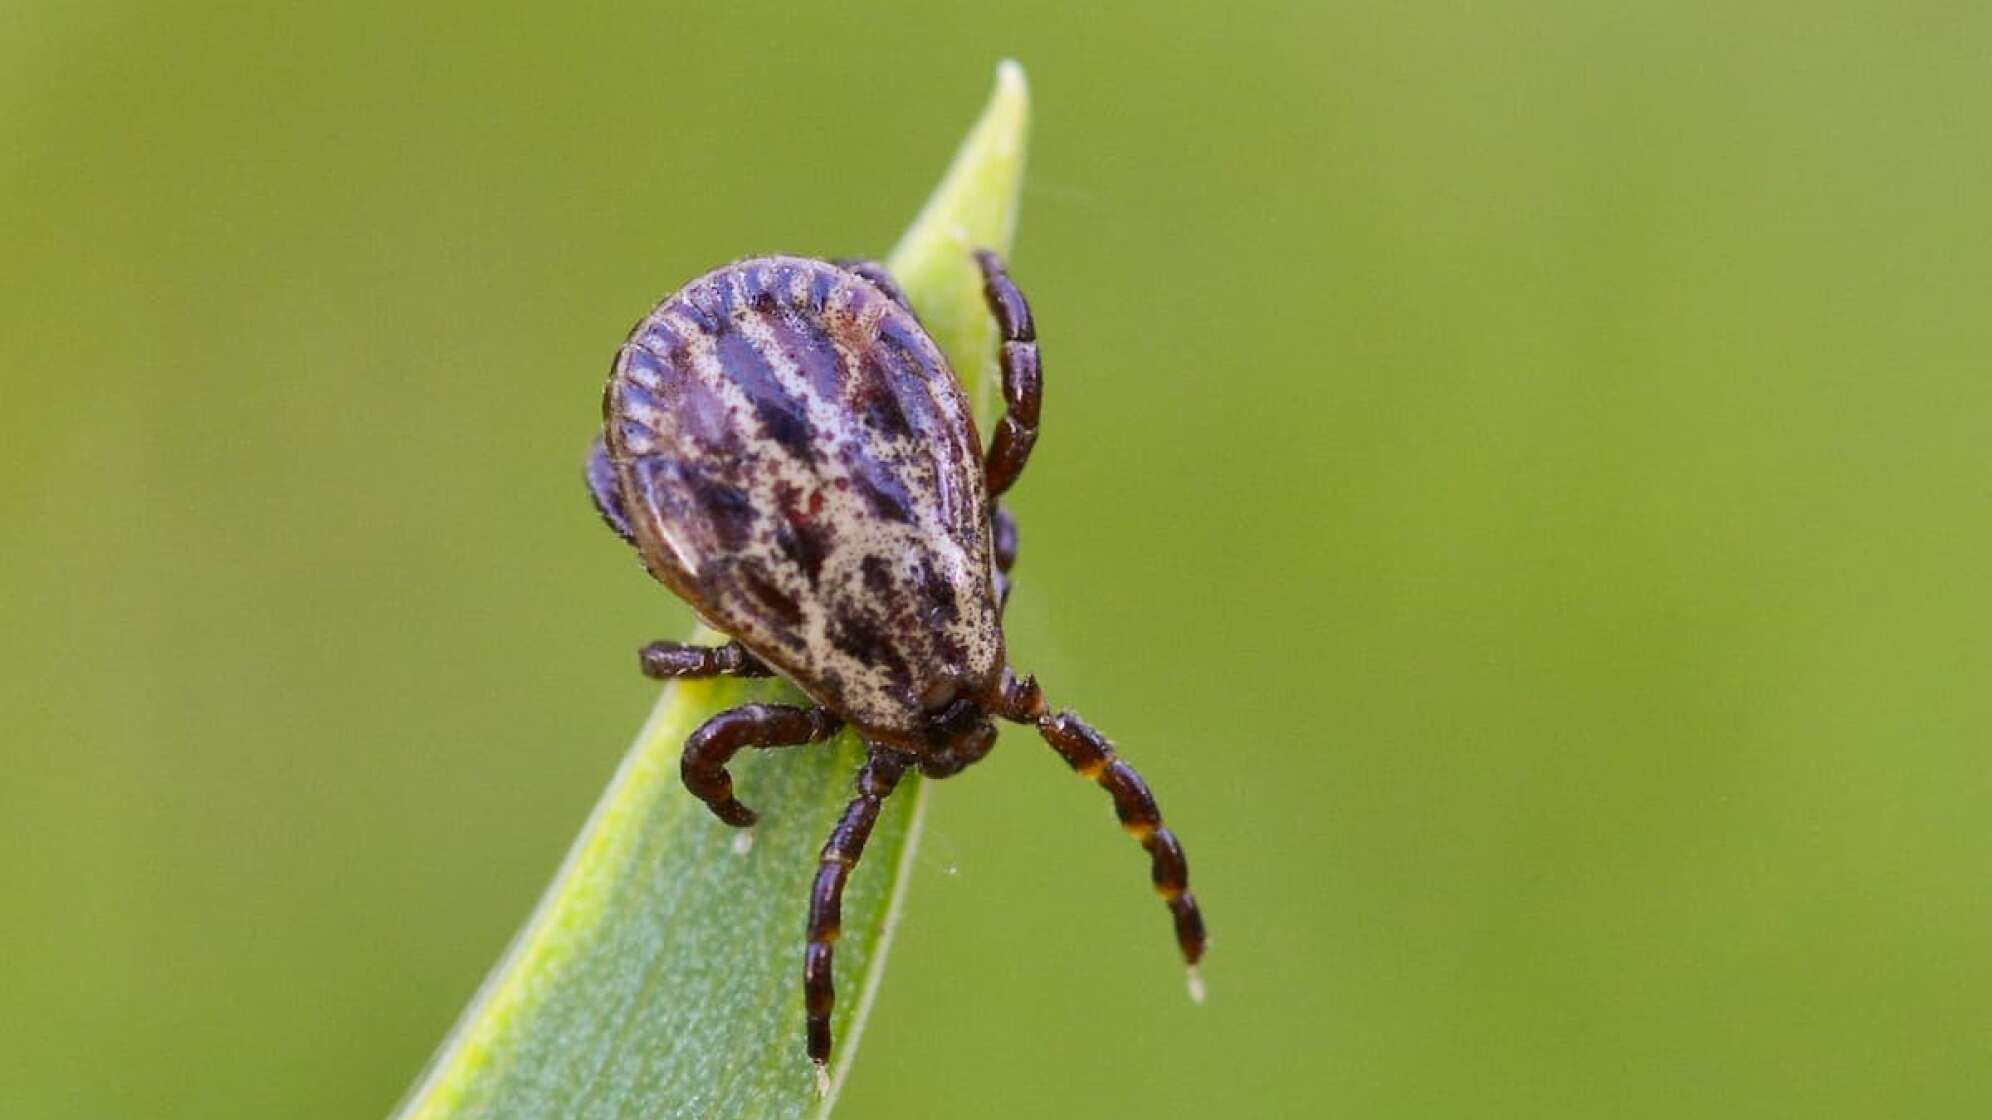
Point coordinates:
pixel 1090 754
pixel 876 273
pixel 673 660
pixel 881 772
pixel 718 739
pixel 1023 379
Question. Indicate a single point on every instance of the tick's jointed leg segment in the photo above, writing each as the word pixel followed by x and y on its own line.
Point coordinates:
pixel 1090 754
pixel 1023 380
pixel 707 751
pixel 676 660
pixel 881 772
pixel 1003 534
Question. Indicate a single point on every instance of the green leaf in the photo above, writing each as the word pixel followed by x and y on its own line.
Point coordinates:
pixel 661 974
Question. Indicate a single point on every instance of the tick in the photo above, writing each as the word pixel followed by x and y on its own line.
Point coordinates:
pixel 788 450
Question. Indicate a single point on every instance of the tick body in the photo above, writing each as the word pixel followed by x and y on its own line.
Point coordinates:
pixel 788 450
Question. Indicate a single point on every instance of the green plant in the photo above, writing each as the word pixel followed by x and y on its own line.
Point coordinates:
pixel 660 975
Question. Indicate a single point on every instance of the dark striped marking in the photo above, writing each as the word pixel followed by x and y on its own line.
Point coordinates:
pixel 798 462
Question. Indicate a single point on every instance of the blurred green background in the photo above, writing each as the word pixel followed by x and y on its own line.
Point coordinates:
pixel 1516 480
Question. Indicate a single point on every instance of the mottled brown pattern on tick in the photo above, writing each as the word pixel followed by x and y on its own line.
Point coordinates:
pixel 798 460
pixel 788 451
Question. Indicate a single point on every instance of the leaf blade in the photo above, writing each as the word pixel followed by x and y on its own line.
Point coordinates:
pixel 659 975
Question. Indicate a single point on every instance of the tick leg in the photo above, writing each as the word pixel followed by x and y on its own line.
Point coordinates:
pixel 1003 533
pixel 1023 380
pixel 1090 754
pixel 602 486
pixel 672 660
pixel 876 273
pixel 881 772
pixel 713 745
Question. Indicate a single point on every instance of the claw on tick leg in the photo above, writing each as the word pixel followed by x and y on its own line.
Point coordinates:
pixel 1197 992
pixel 743 841
pixel 822 1080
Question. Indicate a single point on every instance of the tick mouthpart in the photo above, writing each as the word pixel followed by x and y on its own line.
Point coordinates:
pixel 965 749
pixel 960 729
pixel 946 723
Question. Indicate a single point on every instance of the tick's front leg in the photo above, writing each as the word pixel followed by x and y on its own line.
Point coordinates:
pixel 881 773
pixel 718 739
pixel 1092 756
